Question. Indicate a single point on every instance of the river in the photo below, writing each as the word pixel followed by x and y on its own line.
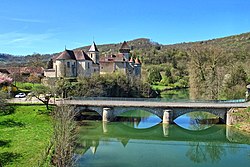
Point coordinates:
pixel 138 138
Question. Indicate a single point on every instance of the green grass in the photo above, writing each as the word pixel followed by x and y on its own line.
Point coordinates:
pixel 159 87
pixel 24 135
pixel 26 86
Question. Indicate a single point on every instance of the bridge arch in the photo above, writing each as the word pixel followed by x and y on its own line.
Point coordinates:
pixel 155 111
pixel 219 112
pixel 115 111
pixel 80 109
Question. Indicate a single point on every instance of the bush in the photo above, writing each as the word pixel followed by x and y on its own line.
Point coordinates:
pixel 109 85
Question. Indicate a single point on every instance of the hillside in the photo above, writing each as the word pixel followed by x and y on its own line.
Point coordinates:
pixel 238 42
pixel 141 47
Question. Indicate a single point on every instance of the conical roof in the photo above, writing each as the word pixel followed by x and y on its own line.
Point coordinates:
pixel 93 48
pixel 131 60
pixel 137 61
pixel 125 46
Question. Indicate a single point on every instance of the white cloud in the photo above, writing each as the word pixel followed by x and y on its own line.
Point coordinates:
pixel 17 40
pixel 24 20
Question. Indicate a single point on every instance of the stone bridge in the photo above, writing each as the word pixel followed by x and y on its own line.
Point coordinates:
pixel 167 111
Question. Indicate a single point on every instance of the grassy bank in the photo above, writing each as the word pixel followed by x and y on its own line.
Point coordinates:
pixel 24 135
pixel 243 119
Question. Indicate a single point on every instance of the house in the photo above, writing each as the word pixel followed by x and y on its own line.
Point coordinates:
pixel 22 73
pixel 4 71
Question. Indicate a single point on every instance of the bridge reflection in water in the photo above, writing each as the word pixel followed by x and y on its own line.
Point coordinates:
pixel 117 144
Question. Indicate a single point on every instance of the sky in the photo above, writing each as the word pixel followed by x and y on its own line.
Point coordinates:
pixel 47 26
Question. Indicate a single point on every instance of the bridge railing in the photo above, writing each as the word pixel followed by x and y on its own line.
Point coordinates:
pixel 156 100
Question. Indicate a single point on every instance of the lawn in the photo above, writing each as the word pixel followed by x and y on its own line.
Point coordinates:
pixel 24 135
pixel 26 86
pixel 158 87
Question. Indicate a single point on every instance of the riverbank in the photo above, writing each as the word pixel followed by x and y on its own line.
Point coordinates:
pixel 242 119
pixel 25 135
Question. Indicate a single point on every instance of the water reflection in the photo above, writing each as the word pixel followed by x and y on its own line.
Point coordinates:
pixel 124 144
pixel 197 120
pixel 138 119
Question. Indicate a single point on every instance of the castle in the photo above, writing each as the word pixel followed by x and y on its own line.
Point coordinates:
pixel 77 63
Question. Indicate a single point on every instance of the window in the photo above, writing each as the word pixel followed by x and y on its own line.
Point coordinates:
pixel 88 66
pixel 68 64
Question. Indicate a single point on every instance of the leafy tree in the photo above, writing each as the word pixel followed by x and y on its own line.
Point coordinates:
pixel 63 88
pixel 111 85
pixel 234 83
pixel 154 76
pixel 42 93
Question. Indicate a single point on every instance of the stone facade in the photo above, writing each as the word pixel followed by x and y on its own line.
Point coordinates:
pixel 71 64
pixel 122 62
pixel 77 63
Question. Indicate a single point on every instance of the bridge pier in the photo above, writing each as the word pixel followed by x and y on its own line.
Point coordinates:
pixel 165 129
pixel 167 117
pixel 107 114
pixel 229 118
pixel 105 127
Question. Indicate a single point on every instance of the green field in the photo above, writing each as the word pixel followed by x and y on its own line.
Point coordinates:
pixel 24 135
pixel 26 86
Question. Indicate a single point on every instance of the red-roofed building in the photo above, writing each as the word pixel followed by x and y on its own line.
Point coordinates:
pixel 121 62
pixel 74 63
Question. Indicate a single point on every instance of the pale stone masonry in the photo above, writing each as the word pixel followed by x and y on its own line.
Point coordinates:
pixel 77 63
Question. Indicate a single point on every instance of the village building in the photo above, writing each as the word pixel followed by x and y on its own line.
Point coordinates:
pixel 23 73
pixel 74 63
pixel 77 63
pixel 123 62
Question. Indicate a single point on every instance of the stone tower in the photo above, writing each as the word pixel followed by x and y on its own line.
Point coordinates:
pixel 137 67
pixel 93 53
pixel 125 50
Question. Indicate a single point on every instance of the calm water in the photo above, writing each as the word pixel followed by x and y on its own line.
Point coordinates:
pixel 139 139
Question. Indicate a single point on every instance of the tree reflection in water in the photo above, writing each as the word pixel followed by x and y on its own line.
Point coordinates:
pixel 201 152
pixel 215 145
pixel 201 120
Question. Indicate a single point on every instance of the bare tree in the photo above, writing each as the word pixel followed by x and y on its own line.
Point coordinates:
pixel 64 136
pixel 205 70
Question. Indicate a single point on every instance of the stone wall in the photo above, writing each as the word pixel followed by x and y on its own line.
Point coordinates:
pixel 50 73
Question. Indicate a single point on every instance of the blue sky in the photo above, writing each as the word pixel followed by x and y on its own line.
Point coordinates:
pixel 46 26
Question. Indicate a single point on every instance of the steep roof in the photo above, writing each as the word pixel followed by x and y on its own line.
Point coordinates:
pixel 93 48
pixel 131 60
pixel 81 55
pixel 22 70
pixel 4 71
pixel 66 55
pixel 73 55
pixel 125 46
pixel 137 61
